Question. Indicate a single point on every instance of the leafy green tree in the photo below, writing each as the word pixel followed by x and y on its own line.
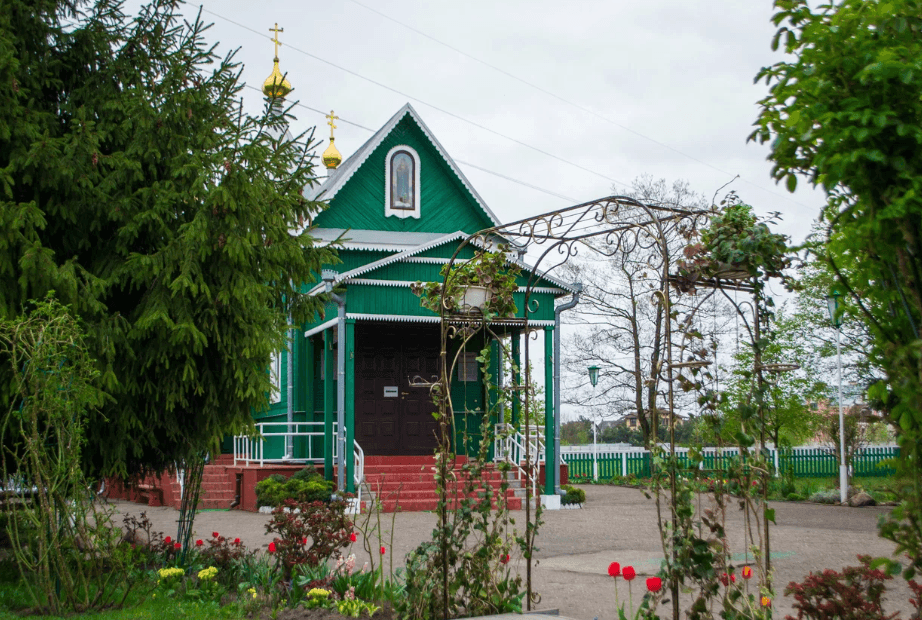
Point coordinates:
pixel 789 418
pixel 846 112
pixel 576 432
pixel 133 185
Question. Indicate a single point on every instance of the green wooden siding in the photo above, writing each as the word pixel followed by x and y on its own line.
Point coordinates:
pixel 445 203
pixel 447 250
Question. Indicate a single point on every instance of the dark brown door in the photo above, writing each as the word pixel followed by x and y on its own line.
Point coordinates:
pixel 392 416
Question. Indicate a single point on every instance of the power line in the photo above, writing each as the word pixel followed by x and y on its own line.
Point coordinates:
pixel 458 161
pixel 567 101
pixel 425 103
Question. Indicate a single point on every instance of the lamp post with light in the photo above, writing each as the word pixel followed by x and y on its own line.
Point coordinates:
pixel 594 380
pixel 834 307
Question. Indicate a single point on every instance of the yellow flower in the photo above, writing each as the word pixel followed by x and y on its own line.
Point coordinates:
pixel 252 591
pixel 318 593
pixel 170 573
pixel 207 574
pixel 766 601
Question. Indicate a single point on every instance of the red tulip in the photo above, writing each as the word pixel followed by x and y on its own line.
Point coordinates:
pixel 732 578
pixel 614 569
pixel 504 558
pixel 654 584
pixel 214 535
pixel 353 537
pixel 167 540
pixel 199 543
pixel 382 549
pixel 724 579
pixel 272 547
pixel 629 573
pixel 747 572
pixel 236 541
pixel 177 546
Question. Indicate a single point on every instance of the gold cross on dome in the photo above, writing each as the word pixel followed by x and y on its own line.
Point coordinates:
pixel 275 39
pixel 332 118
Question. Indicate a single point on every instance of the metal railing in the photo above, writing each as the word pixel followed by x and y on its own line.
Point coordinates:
pixel 512 446
pixel 306 440
pixel 252 449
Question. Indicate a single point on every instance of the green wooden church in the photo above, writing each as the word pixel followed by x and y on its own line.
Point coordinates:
pixel 352 390
pixel 398 209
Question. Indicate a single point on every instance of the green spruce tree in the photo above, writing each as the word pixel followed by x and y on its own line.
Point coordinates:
pixel 133 185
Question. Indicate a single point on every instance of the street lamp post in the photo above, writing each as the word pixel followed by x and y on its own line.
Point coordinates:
pixel 594 379
pixel 834 307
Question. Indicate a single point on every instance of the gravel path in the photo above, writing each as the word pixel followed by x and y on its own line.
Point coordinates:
pixel 615 524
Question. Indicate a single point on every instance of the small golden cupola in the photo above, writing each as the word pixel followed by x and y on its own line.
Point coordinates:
pixel 331 157
pixel 276 86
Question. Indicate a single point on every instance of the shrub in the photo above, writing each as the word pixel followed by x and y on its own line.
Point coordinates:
pixel 308 474
pixel 573 495
pixel 853 594
pixel 310 533
pixel 826 497
pixel 274 492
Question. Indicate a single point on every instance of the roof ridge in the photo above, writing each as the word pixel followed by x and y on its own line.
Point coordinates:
pixel 328 189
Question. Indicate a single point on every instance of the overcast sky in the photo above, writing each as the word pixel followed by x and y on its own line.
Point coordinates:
pixel 659 87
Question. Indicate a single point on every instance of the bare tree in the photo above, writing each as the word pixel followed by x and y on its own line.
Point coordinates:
pixel 623 328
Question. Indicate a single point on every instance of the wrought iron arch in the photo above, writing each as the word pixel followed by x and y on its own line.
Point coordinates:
pixel 607 226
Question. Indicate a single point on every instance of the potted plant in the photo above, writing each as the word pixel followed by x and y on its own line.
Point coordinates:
pixel 483 285
pixel 736 245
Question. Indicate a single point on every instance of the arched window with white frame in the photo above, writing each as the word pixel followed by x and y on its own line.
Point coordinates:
pixel 401 185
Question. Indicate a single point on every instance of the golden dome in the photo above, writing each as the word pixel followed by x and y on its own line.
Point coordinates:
pixel 331 157
pixel 276 86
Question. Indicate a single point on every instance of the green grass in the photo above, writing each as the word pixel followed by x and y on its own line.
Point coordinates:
pixel 151 609
pixel 14 599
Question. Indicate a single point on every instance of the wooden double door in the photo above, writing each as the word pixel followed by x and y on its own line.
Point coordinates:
pixel 392 417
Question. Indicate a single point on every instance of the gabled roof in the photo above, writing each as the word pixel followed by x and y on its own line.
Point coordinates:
pixel 433 242
pixel 339 177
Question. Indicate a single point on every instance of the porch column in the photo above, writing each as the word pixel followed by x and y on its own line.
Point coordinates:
pixel 516 375
pixel 350 405
pixel 304 396
pixel 551 465
pixel 494 394
pixel 329 403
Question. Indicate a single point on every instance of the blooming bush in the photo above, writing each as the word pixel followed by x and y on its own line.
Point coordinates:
pixel 310 533
pixel 853 594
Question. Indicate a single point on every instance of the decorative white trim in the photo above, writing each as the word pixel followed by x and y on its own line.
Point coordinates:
pixel 406 254
pixel 431 260
pixel 320 328
pixel 402 213
pixel 401 318
pixel 408 283
pixel 328 189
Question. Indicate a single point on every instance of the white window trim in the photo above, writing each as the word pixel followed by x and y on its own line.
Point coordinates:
pixel 275 377
pixel 401 213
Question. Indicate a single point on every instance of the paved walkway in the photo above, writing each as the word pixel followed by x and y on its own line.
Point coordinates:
pixel 616 524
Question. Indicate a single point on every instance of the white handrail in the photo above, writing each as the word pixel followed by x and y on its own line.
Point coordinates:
pixel 509 445
pixel 251 449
